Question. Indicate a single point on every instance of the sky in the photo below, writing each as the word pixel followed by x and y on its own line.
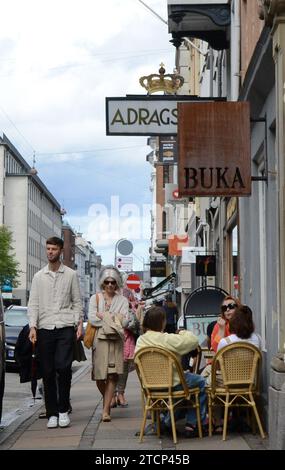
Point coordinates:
pixel 59 59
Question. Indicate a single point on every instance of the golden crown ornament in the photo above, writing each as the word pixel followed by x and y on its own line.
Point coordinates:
pixel 169 83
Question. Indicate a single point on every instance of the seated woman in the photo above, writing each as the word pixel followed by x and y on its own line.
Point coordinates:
pixel 153 325
pixel 241 328
pixel 221 329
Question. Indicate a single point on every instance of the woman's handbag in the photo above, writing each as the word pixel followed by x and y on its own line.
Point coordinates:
pixel 89 335
pixel 90 331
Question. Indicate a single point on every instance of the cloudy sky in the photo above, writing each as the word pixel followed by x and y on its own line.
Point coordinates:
pixel 59 60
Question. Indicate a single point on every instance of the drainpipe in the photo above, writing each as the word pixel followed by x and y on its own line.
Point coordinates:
pixel 235 50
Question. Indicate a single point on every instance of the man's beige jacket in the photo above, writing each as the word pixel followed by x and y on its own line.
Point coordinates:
pixel 55 299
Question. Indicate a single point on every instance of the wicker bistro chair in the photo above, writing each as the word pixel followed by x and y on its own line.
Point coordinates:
pixel 155 368
pixel 235 381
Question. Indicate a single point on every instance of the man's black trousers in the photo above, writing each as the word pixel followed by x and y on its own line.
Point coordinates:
pixel 55 348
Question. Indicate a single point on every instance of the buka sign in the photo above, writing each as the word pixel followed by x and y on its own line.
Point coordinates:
pixel 214 149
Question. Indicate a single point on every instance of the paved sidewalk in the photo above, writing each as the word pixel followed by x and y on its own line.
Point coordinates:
pixel 88 432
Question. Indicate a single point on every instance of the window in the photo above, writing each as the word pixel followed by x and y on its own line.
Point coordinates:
pixel 165 175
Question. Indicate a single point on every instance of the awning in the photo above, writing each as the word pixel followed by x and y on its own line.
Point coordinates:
pixel 150 292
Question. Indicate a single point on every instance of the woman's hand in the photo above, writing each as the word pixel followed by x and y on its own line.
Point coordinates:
pixel 100 315
pixel 221 322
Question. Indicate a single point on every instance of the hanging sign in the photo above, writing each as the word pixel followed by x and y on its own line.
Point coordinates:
pixel 144 115
pixel 214 149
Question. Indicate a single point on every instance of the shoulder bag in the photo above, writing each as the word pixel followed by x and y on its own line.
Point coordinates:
pixel 90 331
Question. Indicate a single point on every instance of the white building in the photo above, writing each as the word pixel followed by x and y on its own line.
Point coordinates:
pixel 88 265
pixel 30 211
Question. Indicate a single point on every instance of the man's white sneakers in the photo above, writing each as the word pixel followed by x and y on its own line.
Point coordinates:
pixel 52 422
pixel 63 420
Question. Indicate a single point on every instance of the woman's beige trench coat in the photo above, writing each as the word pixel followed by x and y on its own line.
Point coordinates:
pixel 107 350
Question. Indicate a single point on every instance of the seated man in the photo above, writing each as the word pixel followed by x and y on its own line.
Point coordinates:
pixel 180 344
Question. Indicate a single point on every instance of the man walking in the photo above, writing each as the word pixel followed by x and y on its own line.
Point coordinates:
pixel 54 311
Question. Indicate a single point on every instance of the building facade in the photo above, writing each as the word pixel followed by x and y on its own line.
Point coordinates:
pixel 30 211
pixel 88 264
pixel 243 61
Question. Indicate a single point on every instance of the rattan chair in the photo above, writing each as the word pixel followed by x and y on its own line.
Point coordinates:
pixel 235 381
pixel 197 361
pixel 155 368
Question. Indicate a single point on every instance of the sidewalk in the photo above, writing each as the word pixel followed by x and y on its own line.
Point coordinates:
pixel 88 432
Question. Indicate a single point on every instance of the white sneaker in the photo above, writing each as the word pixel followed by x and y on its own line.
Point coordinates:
pixel 63 420
pixel 52 422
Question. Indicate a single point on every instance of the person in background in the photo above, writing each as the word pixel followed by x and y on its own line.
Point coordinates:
pixel 210 328
pixel 171 312
pixel 221 329
pixel 54 312
pixel 154 324
pixel 140 312
pixel 107 310
pixel 131 327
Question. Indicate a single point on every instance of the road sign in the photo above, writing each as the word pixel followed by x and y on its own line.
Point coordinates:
pixel 125 247
pixel 124 263
pixel 133 281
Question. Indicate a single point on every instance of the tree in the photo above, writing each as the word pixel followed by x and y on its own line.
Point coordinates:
pixel 9 266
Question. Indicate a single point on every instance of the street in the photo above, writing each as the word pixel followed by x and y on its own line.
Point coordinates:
pixel 17 398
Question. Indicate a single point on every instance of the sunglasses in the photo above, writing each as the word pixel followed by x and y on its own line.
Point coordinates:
pixel 113 283
pixel 224 308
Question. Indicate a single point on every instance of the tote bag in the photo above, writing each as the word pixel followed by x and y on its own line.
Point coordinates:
pixel 90 331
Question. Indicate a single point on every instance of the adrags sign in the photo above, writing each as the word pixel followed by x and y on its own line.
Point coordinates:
pixel 144 115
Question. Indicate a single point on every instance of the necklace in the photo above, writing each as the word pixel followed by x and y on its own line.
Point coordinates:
pixel 108 303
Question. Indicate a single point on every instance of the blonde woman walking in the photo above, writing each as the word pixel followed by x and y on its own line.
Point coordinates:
pixel 107 310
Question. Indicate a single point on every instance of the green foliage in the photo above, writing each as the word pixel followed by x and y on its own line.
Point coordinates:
pixel 9 266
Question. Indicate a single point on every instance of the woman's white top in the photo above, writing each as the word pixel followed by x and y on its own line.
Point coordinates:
pixel 254 339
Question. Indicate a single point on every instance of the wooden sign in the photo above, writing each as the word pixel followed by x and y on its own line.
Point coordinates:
pixel 214 149
pixel 206 265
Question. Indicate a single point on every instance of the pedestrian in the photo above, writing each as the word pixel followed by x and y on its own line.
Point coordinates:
pixel 154 324
pixel 107 311
pixel 55 317
pixel 171 311
pixel 131 326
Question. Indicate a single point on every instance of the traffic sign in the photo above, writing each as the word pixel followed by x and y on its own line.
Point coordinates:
pixel 124 263
pixel 133 281
pixel 125 247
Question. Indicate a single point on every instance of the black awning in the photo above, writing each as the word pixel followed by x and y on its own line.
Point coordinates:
pixel 149 292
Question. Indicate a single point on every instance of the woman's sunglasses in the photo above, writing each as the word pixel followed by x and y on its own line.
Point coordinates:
pixel 113 283
pixel 224 308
